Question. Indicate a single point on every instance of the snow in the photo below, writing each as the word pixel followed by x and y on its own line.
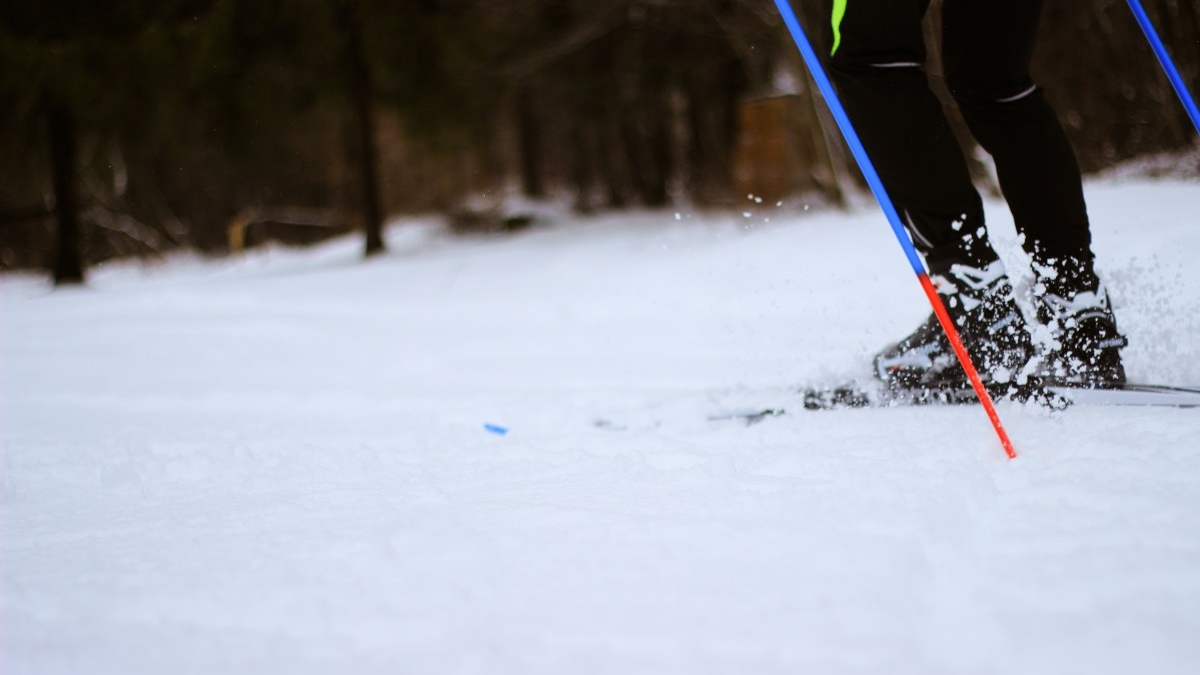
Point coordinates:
pixel 280 463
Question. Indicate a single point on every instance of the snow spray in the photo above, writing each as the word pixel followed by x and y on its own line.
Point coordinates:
pixel 889 209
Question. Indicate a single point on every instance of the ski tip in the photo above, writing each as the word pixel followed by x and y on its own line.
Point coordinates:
pixel 749 416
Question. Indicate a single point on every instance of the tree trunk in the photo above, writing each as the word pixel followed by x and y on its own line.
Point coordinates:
pixel 658 190
pixel 362 97
pixel 581 164
pixel 609 152
pixel 372 209
pixel 67 265
pixel 530 146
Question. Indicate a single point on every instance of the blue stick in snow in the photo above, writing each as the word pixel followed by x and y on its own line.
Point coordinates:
pixel 893 216
pixel 1160 50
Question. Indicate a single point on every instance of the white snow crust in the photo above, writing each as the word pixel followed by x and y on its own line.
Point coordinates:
pixel 279 464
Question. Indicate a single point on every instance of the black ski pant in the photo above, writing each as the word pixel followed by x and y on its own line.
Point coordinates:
pixel 876 54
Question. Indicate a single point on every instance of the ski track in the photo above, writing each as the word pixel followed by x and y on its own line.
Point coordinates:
pixel 279 463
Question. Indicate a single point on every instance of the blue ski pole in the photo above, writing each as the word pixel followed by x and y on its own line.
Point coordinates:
pixel 893 216
pixel 1168 65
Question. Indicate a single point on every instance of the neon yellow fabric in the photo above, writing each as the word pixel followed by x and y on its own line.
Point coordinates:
pixel 839 12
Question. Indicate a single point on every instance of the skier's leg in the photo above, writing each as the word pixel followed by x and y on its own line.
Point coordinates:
pixel 987 48
pixel 876 62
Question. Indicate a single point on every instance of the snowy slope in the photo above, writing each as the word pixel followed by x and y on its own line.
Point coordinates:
pixel 279 464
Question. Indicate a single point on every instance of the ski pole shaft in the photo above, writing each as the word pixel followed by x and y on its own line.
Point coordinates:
pixel 1164 58
pixel 889 209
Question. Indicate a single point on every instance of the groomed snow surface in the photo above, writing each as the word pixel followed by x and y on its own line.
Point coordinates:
pixel 279 464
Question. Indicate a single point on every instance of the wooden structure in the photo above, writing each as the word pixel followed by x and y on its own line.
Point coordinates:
pixel 782 151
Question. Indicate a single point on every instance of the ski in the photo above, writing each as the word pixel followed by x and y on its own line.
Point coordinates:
pixel 1051 395
pixel 1131 395
pixel 873 394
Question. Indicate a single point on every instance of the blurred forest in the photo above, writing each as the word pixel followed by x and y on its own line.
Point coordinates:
pixel 137 127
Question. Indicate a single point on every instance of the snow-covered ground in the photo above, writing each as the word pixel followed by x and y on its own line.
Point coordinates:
pixel 280 464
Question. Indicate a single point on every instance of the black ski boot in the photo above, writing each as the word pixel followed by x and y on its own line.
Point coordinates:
pixel 979 301
pixel 1086 347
